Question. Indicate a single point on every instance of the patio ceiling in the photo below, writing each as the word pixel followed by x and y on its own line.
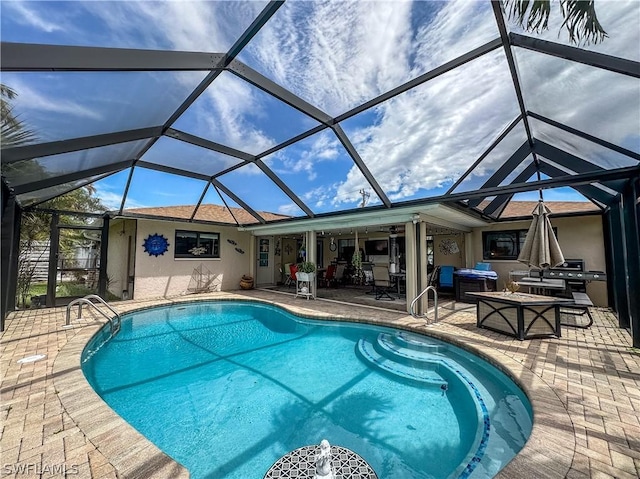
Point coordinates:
pixel 317 109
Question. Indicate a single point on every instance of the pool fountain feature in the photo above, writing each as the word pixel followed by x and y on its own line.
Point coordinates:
pixel 323 462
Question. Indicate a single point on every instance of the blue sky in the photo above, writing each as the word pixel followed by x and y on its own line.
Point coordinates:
pixel 335 56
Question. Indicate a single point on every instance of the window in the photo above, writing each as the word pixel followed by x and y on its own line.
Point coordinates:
pixel 197 244
pixel 346 248
pixel 430 251
pixel 504 244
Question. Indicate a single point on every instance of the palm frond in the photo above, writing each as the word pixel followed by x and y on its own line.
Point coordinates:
pixel 14 133
pixel 580 18
pixel 581 22
pixel 532 16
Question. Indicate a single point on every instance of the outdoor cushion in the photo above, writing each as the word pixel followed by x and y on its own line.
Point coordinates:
pixel 482 266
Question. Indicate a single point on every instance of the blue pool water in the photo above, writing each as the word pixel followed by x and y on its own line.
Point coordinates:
pixel 227 388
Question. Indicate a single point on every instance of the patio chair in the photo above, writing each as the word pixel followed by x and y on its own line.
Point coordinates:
pixel 367 270
pixel 432 279
pixel 569 314
pixel 287 274
pixel 329 277
pixel 446 277
pixel 293 269
pixel 382 283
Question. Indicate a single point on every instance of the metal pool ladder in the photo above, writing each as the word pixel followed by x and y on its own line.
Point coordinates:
pixel 114 321
pixel 435 303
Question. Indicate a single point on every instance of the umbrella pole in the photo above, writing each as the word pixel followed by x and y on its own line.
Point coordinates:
pixel 541 199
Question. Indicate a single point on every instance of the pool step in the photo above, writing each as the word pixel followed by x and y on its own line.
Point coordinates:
pixel 409 349
pixel 424 374
pixel 413 341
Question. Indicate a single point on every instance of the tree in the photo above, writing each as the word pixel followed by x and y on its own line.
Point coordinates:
pixel 580 18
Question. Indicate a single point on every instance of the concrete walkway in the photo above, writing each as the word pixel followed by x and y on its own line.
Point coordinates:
pixel 584 388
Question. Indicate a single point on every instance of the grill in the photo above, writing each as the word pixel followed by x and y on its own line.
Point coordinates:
pixel 573 272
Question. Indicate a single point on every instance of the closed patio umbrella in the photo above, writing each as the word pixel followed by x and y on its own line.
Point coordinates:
pixel 541 248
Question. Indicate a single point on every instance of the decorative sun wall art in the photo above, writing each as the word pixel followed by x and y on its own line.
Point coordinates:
pixel 155 245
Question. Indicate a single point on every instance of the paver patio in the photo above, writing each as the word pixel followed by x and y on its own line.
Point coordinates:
pixel 584 388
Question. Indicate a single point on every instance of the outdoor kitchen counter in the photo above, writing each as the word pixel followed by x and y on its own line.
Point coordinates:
pixel 521 315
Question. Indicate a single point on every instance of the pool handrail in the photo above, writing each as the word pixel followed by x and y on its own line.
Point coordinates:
pixel 115 326
pixel 435 304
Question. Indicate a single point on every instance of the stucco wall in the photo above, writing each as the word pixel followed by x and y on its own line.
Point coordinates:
pixel 443 257
pixel 165 276
pixel 580 237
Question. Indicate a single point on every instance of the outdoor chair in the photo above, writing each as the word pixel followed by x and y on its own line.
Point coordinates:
pixel 432 279
pixel 329 278
pixel 293 269
pixel 367 270
pixel 569 314
pixel 446 277
pixel 382 283
pixel 287 271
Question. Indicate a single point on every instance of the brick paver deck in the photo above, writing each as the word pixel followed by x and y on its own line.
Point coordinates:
pixel 584 388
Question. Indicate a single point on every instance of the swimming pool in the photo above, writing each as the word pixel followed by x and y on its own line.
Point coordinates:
pixel 227 388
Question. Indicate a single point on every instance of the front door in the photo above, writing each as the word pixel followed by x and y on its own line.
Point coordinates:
pixel 264 267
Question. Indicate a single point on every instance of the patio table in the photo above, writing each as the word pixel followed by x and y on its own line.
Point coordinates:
pixel 521 315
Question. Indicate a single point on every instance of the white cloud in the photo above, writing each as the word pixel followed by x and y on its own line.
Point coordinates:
pixel 322 147
pixel 30 99
pixel 26 14
pixel 226 112
pixel 336 54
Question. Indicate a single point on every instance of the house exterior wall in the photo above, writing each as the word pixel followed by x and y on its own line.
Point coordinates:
pixel 166 276
pixel 580 237
pixel 443 255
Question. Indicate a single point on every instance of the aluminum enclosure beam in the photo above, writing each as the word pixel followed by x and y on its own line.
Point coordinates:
pixel 28 152
pixel 586 136
pixel 276 179
pixel 586 57
pixel 505 170
pixel 513 69
pixel 572 162
pixel 258 80
pixel 209 145
pixel 172 170
pixel 500 201
pixel 231 195
pixel 342 136
pixel 589 191
pixel 69 177
pixel 31 57
pixel 486 152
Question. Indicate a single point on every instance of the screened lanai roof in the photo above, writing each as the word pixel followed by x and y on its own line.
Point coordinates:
pixel 307 109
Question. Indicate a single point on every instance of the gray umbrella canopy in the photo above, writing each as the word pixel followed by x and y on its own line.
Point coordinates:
pixel 541 248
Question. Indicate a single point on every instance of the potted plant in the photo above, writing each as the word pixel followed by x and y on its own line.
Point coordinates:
pixel 246 282
pixel 306 271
